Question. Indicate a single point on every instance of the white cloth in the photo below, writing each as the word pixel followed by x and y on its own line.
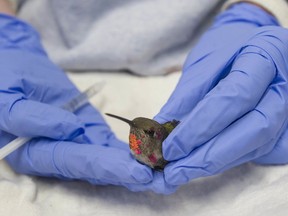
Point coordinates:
pixel 148 37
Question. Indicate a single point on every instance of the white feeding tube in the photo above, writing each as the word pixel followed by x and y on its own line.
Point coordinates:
pixel 73 105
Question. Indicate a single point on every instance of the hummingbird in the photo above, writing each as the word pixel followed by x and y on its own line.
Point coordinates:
pixel 145 140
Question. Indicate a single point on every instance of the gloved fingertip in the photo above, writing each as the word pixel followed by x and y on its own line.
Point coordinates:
pixel 171 149
pixel 32 119
pixel 174 178
pixel 175 175
pixel 272 159
pixel 67 127
pixel 142 174
pixel 160 186
pixel 278 155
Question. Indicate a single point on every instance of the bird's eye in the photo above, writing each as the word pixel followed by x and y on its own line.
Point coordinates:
pixel 150 133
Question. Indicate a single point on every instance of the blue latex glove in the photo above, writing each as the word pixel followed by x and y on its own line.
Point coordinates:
pixel 231 99
pixel 68 146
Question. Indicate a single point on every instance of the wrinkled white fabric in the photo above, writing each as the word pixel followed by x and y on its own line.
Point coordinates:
pixel 148 37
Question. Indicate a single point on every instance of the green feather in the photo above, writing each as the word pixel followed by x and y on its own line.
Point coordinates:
pixel 169 126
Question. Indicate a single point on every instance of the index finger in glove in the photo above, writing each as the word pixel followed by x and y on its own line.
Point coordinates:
pixel 255 133
pixel 279 153
pixel 157 185
pixel 68 160
pixel 27 118
pixel 194 83
pixel 248 138
pixel 235 95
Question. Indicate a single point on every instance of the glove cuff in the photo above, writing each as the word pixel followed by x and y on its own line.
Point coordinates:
pixel 278 8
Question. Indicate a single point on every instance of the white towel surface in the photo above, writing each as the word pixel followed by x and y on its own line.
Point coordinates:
pixel 247 190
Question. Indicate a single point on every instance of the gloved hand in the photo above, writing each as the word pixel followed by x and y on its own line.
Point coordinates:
pixel 231 98
pixel 68 146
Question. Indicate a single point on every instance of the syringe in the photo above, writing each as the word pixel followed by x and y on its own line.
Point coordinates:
pixel 73 105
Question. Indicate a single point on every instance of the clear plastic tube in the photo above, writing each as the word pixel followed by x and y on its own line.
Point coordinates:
pixel 73 105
